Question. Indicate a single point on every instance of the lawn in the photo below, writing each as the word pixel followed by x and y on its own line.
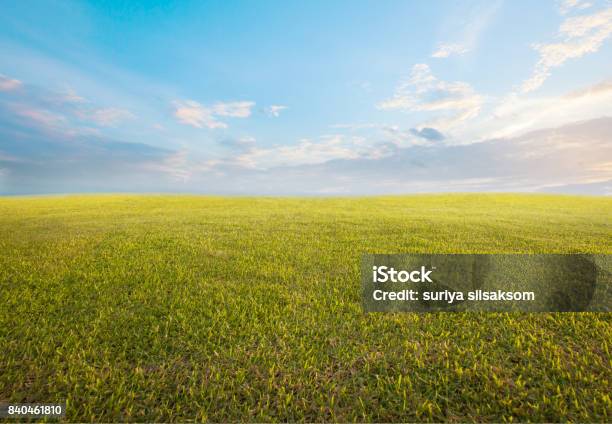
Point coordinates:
pixel 169 308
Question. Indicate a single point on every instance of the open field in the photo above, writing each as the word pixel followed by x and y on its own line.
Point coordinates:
pixel 168 308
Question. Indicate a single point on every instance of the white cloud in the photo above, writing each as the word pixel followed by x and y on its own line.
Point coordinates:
pixel 309 152
pixel 446 50
pixel 579 36
pixel 44 118
pixel 423 92
pixel 515 115
pixel 107 117
pixel 566 6
pixel 190 112
pixel 275 110
pixel 233 109
pixel 7 84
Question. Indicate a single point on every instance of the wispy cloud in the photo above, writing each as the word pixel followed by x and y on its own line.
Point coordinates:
pixel 423 92
pixel 446 50
pixel 71 96
pixel 176 165
pixel 275 110
pixel 602 88
pixel 41 117
pixel 190 112
pixel 463 29
pixel 240 143
pixel 107 117
pixel 578 36
pixel 305 152
pixel 53 108
pixel 390 137
pixel 41 152
pixel 566 6
pixel 7 83
pixel 517 114
pixel 233 109
pixel 309 151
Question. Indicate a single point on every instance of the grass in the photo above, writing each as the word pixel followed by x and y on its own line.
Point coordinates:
pixel 171 308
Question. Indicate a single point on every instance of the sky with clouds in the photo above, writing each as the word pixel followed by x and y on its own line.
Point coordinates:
pixel 306 98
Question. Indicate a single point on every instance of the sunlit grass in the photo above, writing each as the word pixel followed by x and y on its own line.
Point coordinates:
pixel 167 308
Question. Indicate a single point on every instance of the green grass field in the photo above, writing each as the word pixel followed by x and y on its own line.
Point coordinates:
pixel 170 308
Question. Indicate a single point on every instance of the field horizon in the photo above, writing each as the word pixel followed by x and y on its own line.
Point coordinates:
pixel 296 196
pixel 158 307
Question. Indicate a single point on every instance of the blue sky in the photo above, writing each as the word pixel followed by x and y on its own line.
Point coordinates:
pixel 270 97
